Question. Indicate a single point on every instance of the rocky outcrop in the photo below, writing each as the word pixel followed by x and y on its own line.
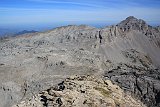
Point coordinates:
pixel 82 91
pixel 142 80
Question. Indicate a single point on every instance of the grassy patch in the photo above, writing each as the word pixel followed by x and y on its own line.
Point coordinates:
pixel 103 91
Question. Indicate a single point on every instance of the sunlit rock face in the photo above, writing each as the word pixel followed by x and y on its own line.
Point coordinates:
pixel 127 54
pixel 82 91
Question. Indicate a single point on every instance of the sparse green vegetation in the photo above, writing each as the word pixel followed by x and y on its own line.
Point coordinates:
pixel 103 91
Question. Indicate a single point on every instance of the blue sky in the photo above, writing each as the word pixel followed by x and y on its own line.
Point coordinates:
pixel 62 12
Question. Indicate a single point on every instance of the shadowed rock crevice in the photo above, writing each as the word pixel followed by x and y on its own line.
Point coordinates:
pixel 157 97
pixel 100 37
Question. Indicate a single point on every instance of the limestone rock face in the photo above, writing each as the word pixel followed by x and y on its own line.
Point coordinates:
pixel 132 23
pixel 82 91
pixel 126 53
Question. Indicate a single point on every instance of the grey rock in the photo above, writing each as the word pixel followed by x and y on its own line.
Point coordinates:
pixel 140 81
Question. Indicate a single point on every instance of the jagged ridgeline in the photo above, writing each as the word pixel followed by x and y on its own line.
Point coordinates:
pixel 126 55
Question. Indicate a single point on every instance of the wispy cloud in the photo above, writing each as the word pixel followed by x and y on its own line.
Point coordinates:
pixel 104 3
pixel 90 4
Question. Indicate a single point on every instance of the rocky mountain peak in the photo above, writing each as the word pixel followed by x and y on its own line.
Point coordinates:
pixel 132 23
pixel 131 18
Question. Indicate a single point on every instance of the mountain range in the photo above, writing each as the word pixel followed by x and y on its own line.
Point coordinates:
pixel 75 66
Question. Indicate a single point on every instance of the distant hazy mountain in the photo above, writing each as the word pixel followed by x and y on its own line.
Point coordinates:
pixel 7 32
pixel 25 32
pixel 4 32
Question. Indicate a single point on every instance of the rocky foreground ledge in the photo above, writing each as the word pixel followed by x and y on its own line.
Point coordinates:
pixel 82 91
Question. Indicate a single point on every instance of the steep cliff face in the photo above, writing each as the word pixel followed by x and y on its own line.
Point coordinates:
pixel 132 33
pixel 126 53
